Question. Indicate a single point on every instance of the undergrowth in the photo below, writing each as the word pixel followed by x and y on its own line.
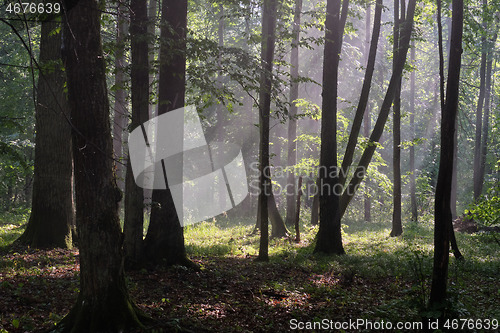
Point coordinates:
pixel 379 277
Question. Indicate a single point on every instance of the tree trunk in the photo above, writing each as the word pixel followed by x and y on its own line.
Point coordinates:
pixel 365 94
pixel 292 122
pixel 378 129
pixel 219 107
pixel 484 136
pixel 278 228
pixel 452 238
pixel 152 18
pixel 297 211
pixel 329 238
pixel 478 182
pixel 134 195
pixel 103 303
pixel 453 198
pixel 413 175
pixel 443 188
pixel 152 9
pixel 366 117
pixel 120 108
pixel 267 56
pixel 164 243
pixel 52 211
pixel 315 210
pixel 397 228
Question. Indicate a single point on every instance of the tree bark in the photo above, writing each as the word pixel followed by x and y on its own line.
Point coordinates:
pixel 413 171
pixel 164 242
pixel 134 195
pixel 397 227
pixel 267 56
pixel 487 97
pixel 478 182
pixel 378 129
pixel 278 228
pixel 103 303
pixel 442 209
pixel 452 238
pixel 297 211
pixel 329 238
pixel 52 211
pixel 292 122
pixel 367 118
pixel 365 94
pixel 315 210
pixel 152 12
pixel 120 106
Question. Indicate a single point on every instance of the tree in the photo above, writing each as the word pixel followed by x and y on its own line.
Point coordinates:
pixel 52 212
pixel 364 162
pixel 103 303
pixel 292 122
pixel 363 109
pixel 452 237
pixel 478 181
pixel 364 96
pixel 397 228
pixel 267 56
pixel 329 238
pixel 152 12
pixel 486 120
pixel 164 241
pixel 366 116
pixel 413 176
pixel 134 195
pixel 120 106
pixel 442 210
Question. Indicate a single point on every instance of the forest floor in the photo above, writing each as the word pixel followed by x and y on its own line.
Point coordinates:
pixel 380 278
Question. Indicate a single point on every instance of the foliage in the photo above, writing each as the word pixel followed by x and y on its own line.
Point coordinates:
pixel 487 209
pixel 16 114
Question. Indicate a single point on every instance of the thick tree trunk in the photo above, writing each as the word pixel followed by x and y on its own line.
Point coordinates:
pixel 378 129
pixel 292 122
pixel 329 238
pixel 134 195
pixel 443 188
pixel 103 304
pixel 397 228
pixel 120 108
pixel 267 56
pixel 52 206
pixel 164 243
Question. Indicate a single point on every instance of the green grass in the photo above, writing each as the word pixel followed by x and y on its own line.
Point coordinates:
pixel 389 275
pixel 371 255
pixel 12 226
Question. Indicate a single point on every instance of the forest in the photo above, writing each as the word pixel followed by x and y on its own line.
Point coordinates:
pixel 250 166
